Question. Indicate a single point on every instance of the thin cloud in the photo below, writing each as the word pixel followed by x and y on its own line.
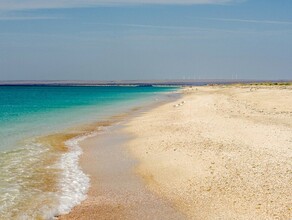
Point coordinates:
pixel 250 21
pixel 16 18
pixel 12 16
pixel 46 4
pixel 180 28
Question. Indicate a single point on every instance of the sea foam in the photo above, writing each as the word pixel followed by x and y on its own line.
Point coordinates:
pixel 74 183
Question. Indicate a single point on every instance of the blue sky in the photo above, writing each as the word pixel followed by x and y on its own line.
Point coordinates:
pixel 145 39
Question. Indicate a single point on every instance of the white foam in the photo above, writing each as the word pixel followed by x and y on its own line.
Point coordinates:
pixel 74 183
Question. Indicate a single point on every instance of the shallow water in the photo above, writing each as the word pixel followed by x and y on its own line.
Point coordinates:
pixel 39 176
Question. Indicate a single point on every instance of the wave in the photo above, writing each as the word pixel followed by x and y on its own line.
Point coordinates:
pixel 74 183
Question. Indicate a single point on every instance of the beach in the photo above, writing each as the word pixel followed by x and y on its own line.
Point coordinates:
pixel 218 152
pixel 116 192
pixel 41 128
pixel 145 109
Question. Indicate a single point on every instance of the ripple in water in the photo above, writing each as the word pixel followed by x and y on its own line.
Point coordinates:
pixel 39 182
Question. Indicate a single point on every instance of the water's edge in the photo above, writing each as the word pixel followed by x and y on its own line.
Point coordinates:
pixel 41 177
pixel 76 180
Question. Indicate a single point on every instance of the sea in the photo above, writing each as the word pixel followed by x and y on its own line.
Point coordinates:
pixel 39 173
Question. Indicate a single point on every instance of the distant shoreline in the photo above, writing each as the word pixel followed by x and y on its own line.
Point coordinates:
pixel 146 83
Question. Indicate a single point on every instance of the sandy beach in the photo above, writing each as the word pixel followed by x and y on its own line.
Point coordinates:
pixel 219 152
pixel 116 192
pixel 224 154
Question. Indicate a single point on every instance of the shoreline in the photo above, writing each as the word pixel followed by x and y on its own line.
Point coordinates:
pixel 47 175
pixel 73 188
pixel 107 200
pixel 225 146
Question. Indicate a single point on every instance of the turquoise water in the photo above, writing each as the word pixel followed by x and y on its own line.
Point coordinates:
pixel 27 112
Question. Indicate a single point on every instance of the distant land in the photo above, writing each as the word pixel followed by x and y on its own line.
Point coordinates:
pixel 128 82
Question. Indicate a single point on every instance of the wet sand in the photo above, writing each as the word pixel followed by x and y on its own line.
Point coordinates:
pixel 116 192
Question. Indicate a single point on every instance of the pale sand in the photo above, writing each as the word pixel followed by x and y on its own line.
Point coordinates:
pixel 224 154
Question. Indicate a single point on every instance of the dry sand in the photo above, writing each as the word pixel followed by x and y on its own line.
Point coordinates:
pixel 223 154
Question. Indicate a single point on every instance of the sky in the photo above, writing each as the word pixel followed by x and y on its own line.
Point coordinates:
pixel 145 39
